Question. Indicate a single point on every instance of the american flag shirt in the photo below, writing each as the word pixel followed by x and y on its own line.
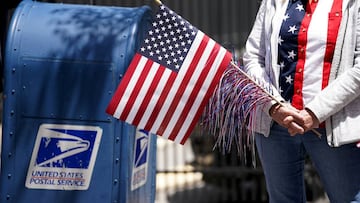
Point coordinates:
pixel 306 45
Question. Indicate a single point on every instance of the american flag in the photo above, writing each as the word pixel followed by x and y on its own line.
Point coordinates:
pixel 170 79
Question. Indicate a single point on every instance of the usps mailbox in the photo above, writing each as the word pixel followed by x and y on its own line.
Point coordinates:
pixel 63 63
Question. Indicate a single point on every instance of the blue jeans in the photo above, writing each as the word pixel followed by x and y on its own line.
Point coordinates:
pixel 283 157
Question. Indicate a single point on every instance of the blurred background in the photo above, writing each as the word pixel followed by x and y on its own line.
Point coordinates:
pixel 196 172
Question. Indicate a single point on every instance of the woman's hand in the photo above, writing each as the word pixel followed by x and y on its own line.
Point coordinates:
pixel 288 117
pixel 310 120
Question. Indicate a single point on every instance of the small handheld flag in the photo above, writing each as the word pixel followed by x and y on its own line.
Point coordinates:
pixel 170 79
pixel 230 114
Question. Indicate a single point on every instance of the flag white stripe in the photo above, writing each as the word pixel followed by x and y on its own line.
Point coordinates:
pixel 200 96
pixel 178 79
pixel 130 87
pixel 154 99
pixel 185 97
pixel 142 93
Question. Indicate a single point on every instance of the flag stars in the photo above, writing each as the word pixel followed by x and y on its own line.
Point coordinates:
pixel 285 17
pixel 169 39
pixel 282 65
pixel 281 90
pixel 289 79
pixel 292 29
pixel 299 7
pixel 287 43
pixel 280 40
pixel 291 54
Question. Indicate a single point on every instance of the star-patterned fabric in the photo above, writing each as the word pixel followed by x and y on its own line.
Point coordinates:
pixel 304 52
pixel 288 47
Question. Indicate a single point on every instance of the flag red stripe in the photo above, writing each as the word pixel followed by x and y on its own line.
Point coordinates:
pixel 123 84
pixel 161 100
pixel 136 90
pixel 149 94
pixel 195 91
pixel 183 85
pixel 208 94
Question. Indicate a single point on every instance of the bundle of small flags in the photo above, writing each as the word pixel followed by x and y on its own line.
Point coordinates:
pixel 230 114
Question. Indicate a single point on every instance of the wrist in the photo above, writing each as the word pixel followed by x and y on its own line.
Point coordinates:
pixel 312 115
pixel 274 108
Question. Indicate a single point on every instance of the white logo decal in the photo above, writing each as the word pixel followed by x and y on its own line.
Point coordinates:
pixel 63 157
pixel 141 156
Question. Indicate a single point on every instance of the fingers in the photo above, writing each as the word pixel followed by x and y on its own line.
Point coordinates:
pixel 293 125
pixel 294 129
pixel 289 118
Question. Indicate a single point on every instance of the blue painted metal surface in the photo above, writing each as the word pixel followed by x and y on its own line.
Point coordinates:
pixel 63 62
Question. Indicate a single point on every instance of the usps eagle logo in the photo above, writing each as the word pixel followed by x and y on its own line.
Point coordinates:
pixel 63 157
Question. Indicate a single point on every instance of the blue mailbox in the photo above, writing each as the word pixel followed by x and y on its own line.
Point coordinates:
pixel 63 62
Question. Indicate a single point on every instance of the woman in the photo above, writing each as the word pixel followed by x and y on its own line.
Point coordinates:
pixel 309 51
